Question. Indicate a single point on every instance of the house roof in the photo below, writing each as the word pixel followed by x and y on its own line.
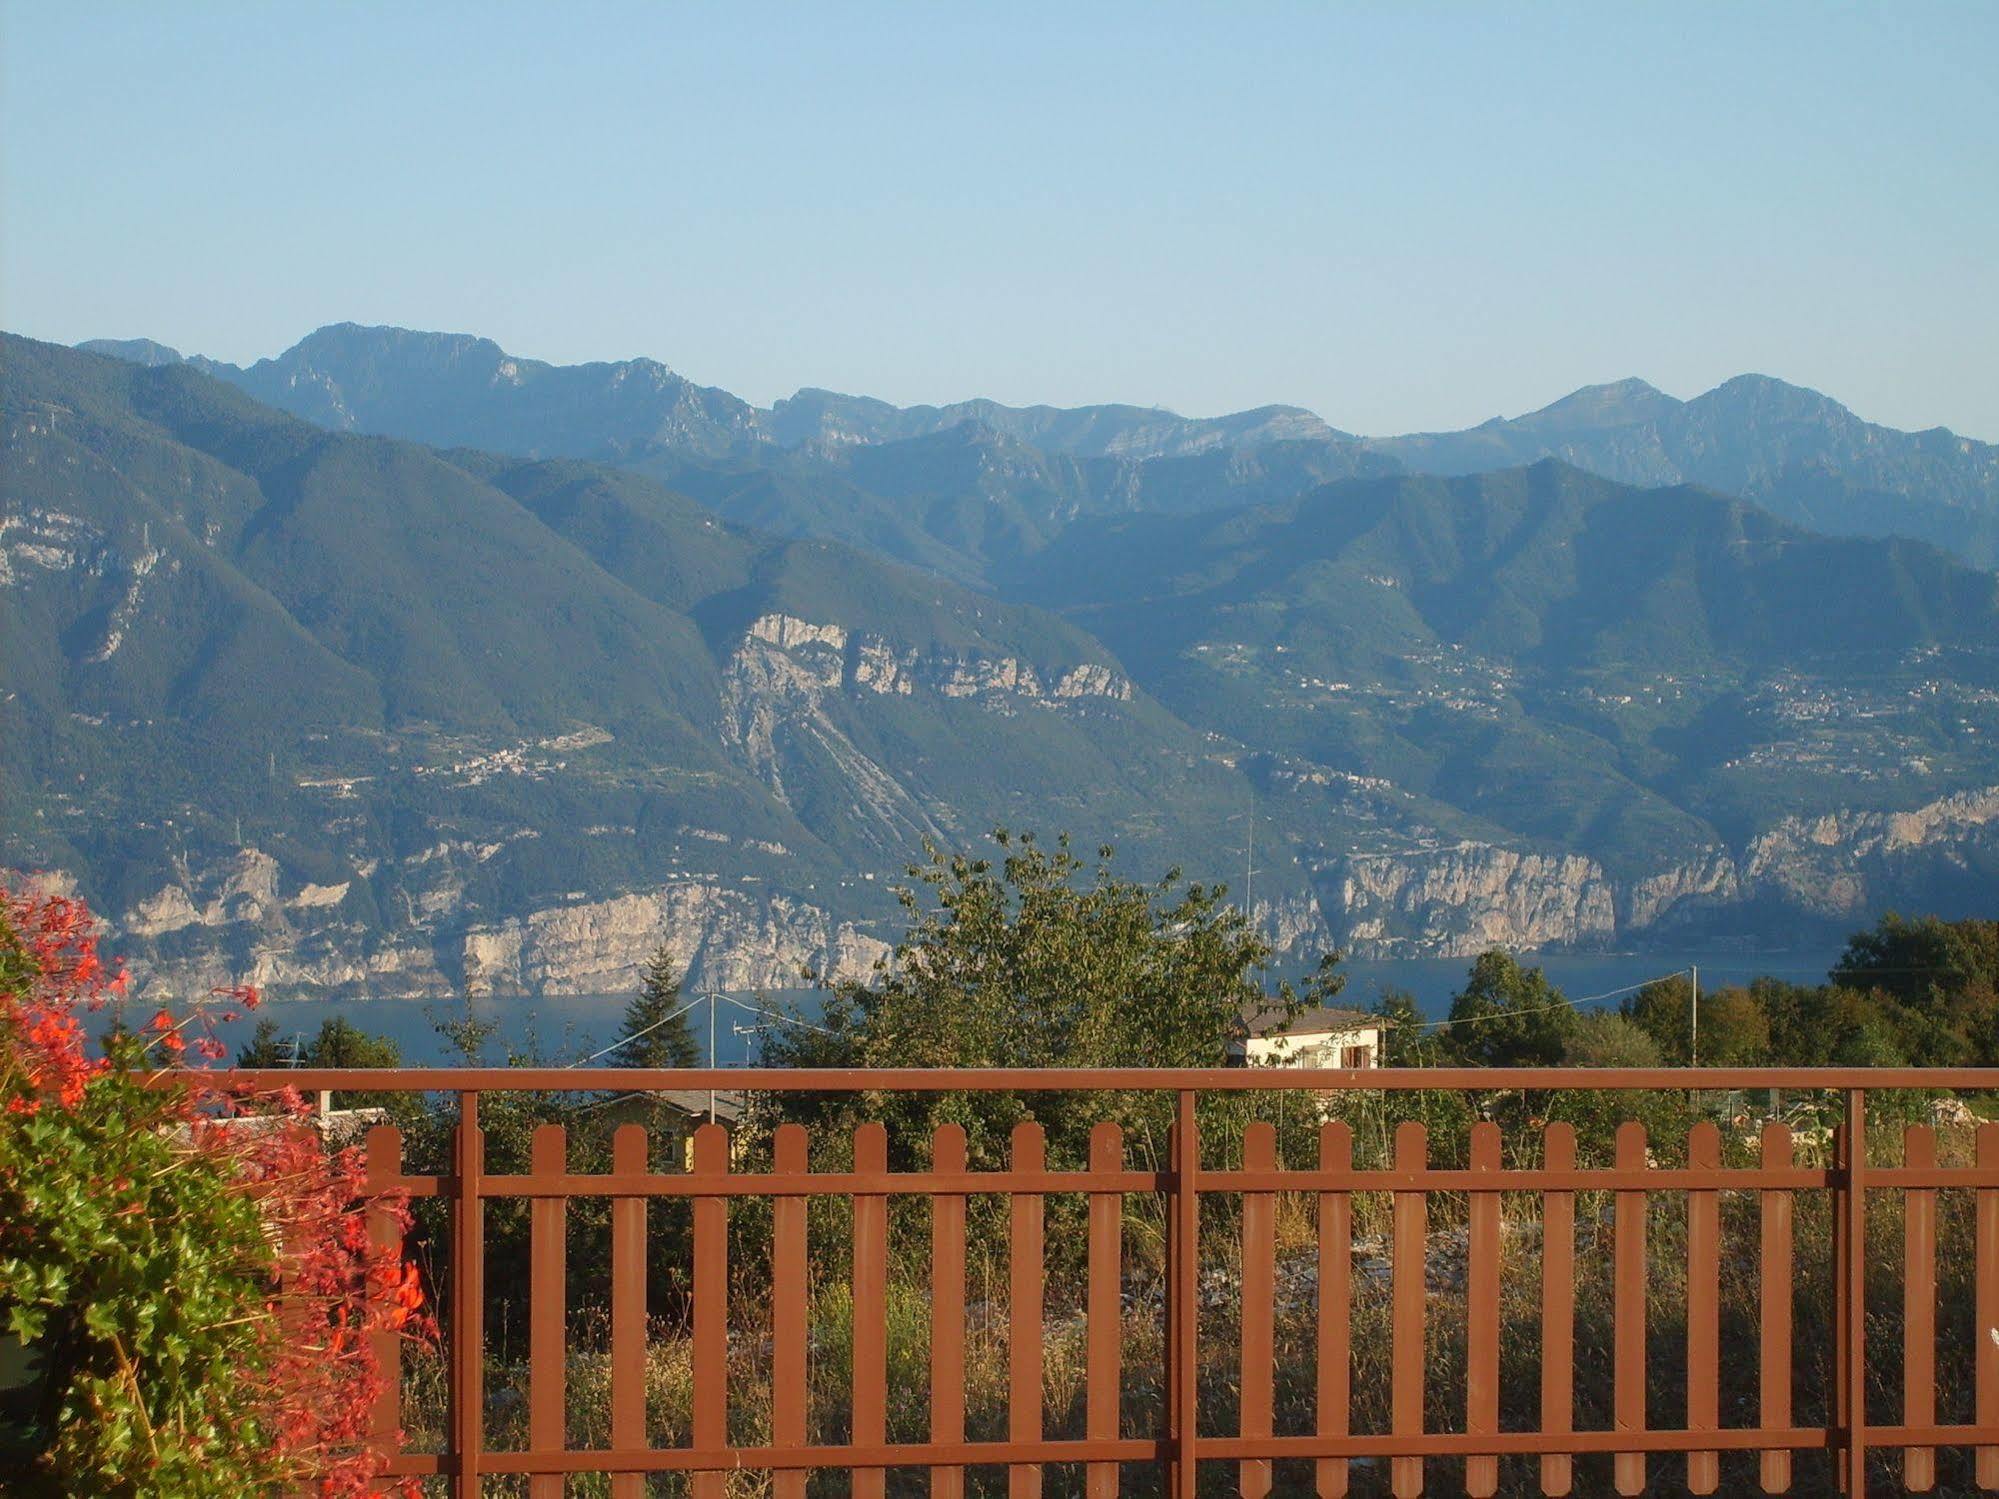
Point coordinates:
pixel 1270 1020
pixel 694 1102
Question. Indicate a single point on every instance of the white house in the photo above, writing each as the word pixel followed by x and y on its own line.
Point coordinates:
pixel 1313 1038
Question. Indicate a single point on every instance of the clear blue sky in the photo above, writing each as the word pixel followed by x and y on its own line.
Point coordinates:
pixel 1403 217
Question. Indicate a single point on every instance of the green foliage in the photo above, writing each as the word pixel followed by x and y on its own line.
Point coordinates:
pixel 1608 1039
pixel 142 1269
pixel 333 610
pixel 1507 1016
pixel 1906 993
pixel 1406 1041
pixel 338 1043
pixel 1041 960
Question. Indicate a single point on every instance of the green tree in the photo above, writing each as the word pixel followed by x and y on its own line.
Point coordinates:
pixel 656 1032
pixel 1934 984
pixel 1040 960
pixel 1663 1010
pixel 341 1043
pixel 1507 1016
pixel 1609 1039
pixel 263 1049
pixel 337 1043
pixel 1734 1030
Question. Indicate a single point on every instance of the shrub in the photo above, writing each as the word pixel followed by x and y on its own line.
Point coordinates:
pixel 191 1274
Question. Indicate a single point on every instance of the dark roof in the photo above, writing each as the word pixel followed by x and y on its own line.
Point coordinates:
pixel 1269 1020
pixel 693 1102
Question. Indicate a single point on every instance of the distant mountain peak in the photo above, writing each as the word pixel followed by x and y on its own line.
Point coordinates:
pixel 1621 403
pixel 133 351
pixel 1769 392
pixel 378 337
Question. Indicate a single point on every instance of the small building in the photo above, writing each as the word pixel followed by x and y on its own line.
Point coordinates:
pixel 674 1114
pixel 1319 1037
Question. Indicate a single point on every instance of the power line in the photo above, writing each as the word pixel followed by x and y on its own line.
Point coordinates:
pixel 776 1015
pixel 1566 1004
pixel 643 1030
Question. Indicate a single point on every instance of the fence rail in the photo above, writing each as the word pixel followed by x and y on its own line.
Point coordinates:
pixel 1408 1183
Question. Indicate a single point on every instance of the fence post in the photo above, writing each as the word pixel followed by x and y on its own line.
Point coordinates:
pixel 548 1322
pixel 1853 1291
pixel 1181 1297
pixel 468 1304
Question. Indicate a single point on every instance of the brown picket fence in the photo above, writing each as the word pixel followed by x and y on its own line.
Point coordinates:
pixel 1641 1452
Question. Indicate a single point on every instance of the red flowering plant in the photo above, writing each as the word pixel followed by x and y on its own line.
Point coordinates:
pixel 189 1294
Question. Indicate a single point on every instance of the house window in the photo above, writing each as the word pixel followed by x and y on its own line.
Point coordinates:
pixel 1357 1057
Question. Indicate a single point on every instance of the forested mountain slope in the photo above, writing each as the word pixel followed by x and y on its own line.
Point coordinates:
pixel 360 712
pixel 371 715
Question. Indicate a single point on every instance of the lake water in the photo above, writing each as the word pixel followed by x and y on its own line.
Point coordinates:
pixel 568 1028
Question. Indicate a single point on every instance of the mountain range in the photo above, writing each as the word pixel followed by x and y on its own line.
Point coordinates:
pixel 396 664
pixel 1797 453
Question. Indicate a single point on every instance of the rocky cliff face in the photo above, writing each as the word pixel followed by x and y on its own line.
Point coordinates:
pixel 788 655
pixel 1466 898
pixel 1457 900
pixel 240 924
pixel 728 938
pixel 243 921
pixel 783 680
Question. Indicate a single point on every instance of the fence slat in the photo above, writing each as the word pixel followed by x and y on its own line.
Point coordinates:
pixel 1482 1313
pixel 1023 1349
pixel 548 1349
pixel 870 1358
pixel 1411 1357
pixel 711 1308
pixel 1703 1308
pixel 790 1308
pixel 1259 1306
pixel 1919 1308
pixel 1774 1296
pixel 629 1151
pixel 1850 1203
pixel 1183 1307
pixel 947 1311
pixel 468 1302
pixel 384 1165
pixel 1106 1283
pixel 1628 1314
pixel 1335 1290
pixel 1558 1307
pixel 1985 1263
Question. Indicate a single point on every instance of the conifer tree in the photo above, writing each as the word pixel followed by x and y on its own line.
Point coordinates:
pixel 654 1035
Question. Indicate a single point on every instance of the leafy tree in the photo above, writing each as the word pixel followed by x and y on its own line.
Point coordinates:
pixel 1662 1011
pixel 338 1043
pixel 1935 984
pixel 1609 1039
pixel 341 1043
pixel 1921 961
pixel 1040 960
pixel 1405 1039
pixel 1734 1030
pixel 1507 1016
pixel 656 1032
